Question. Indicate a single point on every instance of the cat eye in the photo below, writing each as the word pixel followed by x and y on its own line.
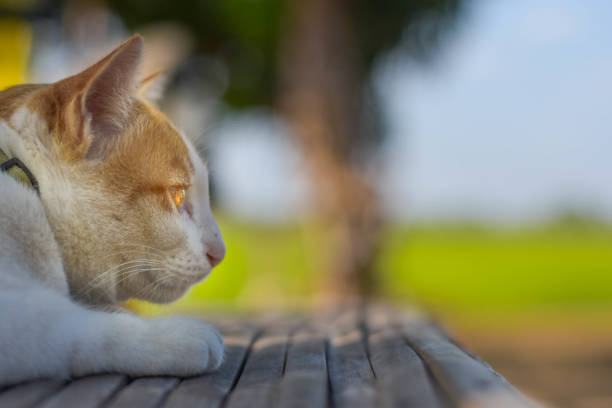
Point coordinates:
pixel 178 196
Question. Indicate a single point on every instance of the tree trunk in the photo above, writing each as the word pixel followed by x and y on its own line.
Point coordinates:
pixel 322 94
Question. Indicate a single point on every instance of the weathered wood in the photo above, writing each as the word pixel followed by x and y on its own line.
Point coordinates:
pixel 466 381
pixel 144 393
pixel 28 395
pixel 349 357
pixel 350 374
pixel 304 383
pixel 402 376
pixel 211 390
pixel 86 392
pixel 257 385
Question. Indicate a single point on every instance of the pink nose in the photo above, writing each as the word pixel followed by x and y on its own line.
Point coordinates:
pixel 214 260
pixel 215 251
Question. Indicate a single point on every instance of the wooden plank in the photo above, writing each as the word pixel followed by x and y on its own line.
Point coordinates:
pixel 87 392
pixel 402 376
pixel 467 381
pixel 29 394
pixel 144 392
pixel 403 379
pixel 352 357
pixel 351 376
pixel 257 385
pixel 212 389
pixel 378 317
pixel 305 381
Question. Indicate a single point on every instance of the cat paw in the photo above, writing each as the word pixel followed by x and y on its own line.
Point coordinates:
pixel 185 346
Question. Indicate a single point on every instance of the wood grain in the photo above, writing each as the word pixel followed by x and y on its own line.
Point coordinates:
pixel 28 395
pixel 257 386
pixel 304 383
pixel 212 390
pixel 86 392
pixel 146 392
pixel 350 374
pixel 402 376
pixel 350 356
pixel 465 380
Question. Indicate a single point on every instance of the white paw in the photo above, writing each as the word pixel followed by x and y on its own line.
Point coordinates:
pixel 183 346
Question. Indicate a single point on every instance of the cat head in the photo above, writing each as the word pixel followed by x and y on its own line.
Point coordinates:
pixel 125 192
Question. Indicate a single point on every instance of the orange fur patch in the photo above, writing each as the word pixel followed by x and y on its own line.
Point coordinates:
pixel 140 153
pixel 13 98
pixel 150 158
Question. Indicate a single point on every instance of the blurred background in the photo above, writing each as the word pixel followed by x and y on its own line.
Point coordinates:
pixel 453 154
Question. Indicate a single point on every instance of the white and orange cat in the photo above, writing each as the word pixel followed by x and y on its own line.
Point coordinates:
pixel 120 210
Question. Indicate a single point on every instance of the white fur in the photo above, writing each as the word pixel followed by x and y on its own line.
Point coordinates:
pixel 43 332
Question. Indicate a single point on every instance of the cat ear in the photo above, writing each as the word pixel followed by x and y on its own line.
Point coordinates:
pixel 102 97
pixel 152 87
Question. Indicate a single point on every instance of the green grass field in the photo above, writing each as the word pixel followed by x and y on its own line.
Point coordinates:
pixel 477 268
pixel 472 270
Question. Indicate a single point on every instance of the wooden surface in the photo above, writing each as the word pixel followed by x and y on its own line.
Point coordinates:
pixel 354 357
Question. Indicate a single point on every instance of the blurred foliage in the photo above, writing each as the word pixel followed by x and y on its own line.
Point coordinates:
pixel 467 269
pixel 18 4
pixel 484 269
pixel 246 34
pixel 243 34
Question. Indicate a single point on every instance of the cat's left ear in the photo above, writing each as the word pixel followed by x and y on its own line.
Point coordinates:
pixel 100 100
pixel 152 86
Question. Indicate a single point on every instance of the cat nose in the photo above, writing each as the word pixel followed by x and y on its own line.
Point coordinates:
pixel 214 261
pixel 215 253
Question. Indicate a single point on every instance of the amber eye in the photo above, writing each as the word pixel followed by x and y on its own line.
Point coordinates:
pixel 178 196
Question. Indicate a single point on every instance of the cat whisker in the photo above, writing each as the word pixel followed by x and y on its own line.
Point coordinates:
pixel 113 269
pixel 117 269
pixel 107 290
pixel 148 288
pixel 154 286
pixel 135 271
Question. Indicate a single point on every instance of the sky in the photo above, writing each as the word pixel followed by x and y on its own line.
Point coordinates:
pixel 511 122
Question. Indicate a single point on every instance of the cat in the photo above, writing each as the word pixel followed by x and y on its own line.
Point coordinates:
pixel 112 204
